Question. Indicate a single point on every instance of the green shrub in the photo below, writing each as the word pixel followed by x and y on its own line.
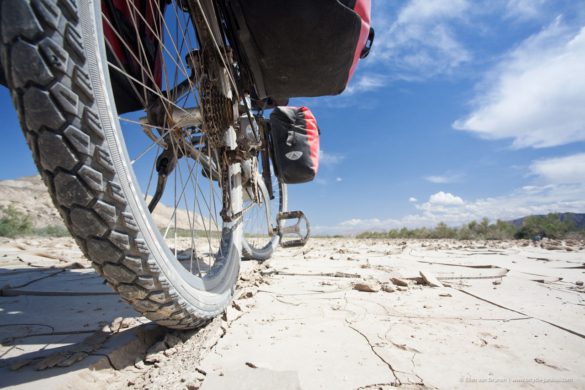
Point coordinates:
pixel 551 226
pixel 52 231
pixel 14 223
pixel 557 226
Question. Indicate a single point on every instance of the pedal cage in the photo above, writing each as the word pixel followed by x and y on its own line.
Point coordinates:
pixel 294 230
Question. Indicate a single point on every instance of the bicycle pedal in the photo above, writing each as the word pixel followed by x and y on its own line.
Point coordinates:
pixel 293 230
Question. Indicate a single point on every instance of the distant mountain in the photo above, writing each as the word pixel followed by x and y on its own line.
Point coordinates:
pixel 577 218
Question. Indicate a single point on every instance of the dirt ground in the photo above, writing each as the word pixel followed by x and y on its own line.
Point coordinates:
pixel 336 314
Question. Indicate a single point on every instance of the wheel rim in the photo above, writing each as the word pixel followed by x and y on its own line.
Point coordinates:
pixel 189 212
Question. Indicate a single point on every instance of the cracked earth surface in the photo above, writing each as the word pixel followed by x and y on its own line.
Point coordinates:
pixel 336 314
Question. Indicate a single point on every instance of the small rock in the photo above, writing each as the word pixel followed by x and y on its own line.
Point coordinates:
pixel 430 279
pixel 139 363
pixel 116 324
pixel 445 295
pixel 579 283
pixel 367 286
pixel 154 358
pixel 496 282
pixel 128 322
pixel 171 340
pixel 388 287
pixel 155 354
pixel 401 288
pixel 399 282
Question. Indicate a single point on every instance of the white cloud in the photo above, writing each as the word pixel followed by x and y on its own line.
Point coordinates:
pixel 444 199
pixel 568 169
pixel 365 83
pixel 417 11
pixel 525 9
pixel 536 96
pixel 437 179
pixel 412 199
pixel 338 179
pixel 420 42
pixel 443 179
pixel 326 158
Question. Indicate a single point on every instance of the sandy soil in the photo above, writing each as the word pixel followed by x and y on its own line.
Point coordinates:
pixel 336 314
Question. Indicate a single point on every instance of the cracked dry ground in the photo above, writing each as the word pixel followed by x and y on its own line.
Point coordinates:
pixel 336 314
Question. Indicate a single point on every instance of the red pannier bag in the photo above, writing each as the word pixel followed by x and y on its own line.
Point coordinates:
pixel 302 47
pixel 126 52
pixel 295 139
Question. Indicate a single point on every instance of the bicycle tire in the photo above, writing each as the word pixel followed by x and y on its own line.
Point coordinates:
pixel 261 247
pixel 53 56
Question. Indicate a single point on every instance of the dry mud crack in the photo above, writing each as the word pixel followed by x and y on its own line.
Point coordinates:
pixel 339 313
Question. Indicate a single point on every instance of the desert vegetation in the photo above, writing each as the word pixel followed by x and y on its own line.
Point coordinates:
pixel 14 223
pixel 553 225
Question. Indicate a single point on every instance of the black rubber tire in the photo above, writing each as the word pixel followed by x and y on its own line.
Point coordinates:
pixel 52 57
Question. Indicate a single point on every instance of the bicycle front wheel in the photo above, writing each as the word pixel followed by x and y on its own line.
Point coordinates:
pixel 179 264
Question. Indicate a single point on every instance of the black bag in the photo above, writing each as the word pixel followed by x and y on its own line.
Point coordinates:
pixel 295 138
pixel 301 47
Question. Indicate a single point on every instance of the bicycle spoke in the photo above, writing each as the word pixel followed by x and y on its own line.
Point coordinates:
pixel 168 92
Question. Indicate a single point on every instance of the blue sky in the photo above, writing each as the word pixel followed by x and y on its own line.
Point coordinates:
pixel 463 110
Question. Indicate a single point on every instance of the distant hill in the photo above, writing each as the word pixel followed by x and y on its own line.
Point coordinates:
pixel 577 218
pixel 29 195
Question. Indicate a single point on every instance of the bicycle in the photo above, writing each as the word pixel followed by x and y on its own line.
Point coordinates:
pixel 110 93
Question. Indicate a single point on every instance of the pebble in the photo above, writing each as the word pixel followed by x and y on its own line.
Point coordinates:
pixel 399 282
pixel 139 363
pixel 430 279
pixel 388 287
pixel 367 286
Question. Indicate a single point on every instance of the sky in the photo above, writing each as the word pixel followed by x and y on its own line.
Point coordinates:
pixel 463 110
